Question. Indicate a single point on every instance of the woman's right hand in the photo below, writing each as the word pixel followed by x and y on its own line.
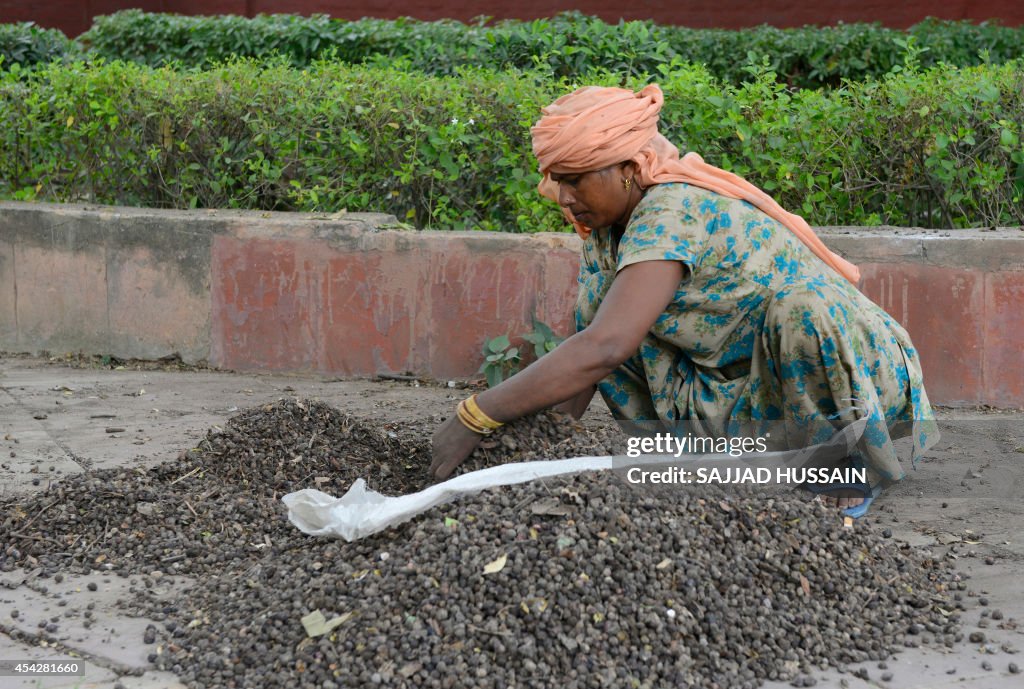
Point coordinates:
pixel 451 445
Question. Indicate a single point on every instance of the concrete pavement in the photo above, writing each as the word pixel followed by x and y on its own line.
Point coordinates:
pixel 963 503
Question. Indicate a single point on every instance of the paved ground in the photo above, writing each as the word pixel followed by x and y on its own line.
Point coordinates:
pixel 964 503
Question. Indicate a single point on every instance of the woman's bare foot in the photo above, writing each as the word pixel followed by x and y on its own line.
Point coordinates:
pixel 841 499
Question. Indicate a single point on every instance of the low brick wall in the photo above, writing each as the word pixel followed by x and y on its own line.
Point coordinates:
pixel 346 295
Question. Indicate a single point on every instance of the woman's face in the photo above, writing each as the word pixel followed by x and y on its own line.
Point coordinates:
pixel 597 199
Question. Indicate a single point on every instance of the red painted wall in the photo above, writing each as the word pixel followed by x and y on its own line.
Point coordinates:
pixel 427 303
pixel 75 16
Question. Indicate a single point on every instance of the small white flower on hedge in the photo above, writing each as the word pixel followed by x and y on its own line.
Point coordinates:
pixel 455 120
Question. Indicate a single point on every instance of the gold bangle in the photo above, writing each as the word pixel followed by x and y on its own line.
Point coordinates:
pixel 479 416
pixel 469 422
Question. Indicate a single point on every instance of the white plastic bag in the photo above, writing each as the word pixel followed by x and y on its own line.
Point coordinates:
pixel 361 511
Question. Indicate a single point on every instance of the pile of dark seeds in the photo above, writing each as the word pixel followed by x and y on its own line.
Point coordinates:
pixel 572 582
pixel 220 502
pixel 278 448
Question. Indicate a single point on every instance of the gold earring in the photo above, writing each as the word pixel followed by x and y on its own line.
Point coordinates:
pixel 627 183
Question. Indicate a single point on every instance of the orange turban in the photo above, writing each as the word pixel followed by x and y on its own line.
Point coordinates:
pixel 594 127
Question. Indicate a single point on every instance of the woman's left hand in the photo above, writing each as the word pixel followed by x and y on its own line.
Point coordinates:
pixel 452 444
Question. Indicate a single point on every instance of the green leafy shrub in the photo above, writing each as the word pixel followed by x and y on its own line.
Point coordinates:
pixel 814 57
pixel 501 360
pixel 567 45
pixel 438 152
pixel 26 44
pixel 542 338
pixel 157 39
pixel 938 147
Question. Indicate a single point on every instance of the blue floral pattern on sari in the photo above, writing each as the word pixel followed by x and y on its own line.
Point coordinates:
pixel 760 330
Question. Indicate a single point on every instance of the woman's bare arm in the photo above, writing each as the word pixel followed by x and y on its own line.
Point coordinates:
pixel 638 296
pixel 640 293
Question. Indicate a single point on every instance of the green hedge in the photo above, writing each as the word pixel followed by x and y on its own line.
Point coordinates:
pixel 567 45
pixel 936 147
pixel 26 44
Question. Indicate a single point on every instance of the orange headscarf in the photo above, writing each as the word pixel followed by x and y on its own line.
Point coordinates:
pixel 595 127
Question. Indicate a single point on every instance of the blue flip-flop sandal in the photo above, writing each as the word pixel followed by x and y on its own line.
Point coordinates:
pixel 868 493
